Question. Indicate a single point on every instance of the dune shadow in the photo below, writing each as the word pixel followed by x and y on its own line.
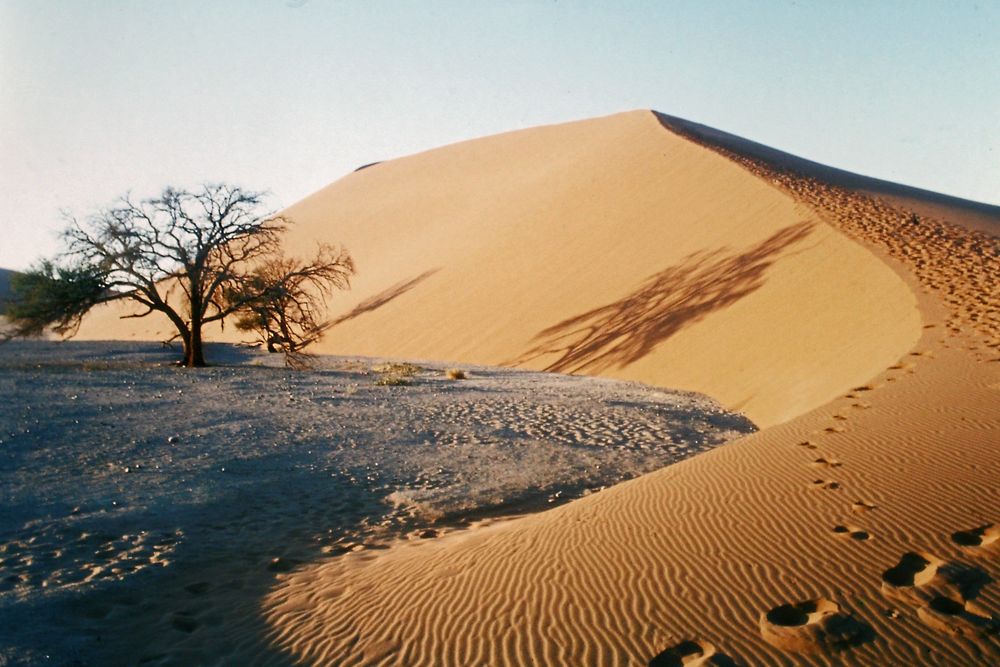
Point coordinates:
pixel 385 296
pixel 368 165
pixel 691 652
pixel 230 548
pixel 620 333
pixel 969 579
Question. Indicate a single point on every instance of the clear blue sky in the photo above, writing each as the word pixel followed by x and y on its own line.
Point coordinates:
pixel 97 98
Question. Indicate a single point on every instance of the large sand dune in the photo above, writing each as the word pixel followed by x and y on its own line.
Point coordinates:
pixel 860 528
pixel 610 247
pixel 861 532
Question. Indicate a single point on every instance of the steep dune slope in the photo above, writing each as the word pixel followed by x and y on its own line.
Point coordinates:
pixel 971 214
pixel 608 246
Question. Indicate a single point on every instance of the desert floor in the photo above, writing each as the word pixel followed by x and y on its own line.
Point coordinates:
pixel 145 501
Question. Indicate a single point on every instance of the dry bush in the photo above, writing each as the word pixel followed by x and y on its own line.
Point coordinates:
pixel 395 374
pixel 395 368
pixel 393 381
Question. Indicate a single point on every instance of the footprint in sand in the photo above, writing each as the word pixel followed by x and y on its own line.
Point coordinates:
pixel 826 462
pixel 847 531
pixel 957 617
pixel 378 651
pixel 812 625
pixel 913 571
pixel 198 588
pixel 691 653
pixel 834 429
pixel 978 540
pixel 185 621
pixel 806 444
pixel 825 484
pixel 279 564
pixel 862 506
pixel 942 593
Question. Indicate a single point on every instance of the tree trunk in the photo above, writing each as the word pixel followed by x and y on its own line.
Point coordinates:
pixel 193 354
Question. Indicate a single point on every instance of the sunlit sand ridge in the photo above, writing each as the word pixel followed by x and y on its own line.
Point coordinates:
pixel 859 528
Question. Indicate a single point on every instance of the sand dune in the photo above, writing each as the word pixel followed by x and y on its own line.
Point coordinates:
pixel 859 528
pixel 609 247
pixel 857 533
pixel 699 550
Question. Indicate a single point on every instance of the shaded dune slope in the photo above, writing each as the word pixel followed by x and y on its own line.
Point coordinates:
pixel 609 247
pixel 972 214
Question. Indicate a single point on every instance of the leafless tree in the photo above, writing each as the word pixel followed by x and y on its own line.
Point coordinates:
pixel 183 254
pixel 284 298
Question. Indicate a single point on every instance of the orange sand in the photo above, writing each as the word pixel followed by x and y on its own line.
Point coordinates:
pixel 869 346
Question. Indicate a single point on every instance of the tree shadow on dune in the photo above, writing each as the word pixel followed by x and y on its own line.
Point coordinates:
pixel 620 333
pixel 385 296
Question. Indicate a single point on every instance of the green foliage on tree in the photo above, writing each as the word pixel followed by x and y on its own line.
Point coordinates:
pixel 48 296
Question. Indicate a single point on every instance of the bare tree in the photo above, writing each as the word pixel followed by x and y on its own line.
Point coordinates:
pixel 179 254
pixel 284 298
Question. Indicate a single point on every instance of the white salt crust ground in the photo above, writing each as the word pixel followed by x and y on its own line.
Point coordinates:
pixel 127 484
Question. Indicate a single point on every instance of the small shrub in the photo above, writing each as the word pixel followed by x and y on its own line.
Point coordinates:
pixel 393 381
pixel 401 369
pixel 455 374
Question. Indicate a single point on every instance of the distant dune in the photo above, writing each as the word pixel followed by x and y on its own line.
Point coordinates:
pixel 609 247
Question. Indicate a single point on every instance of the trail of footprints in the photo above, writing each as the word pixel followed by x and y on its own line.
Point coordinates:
pixel 941 593
pixel 960 266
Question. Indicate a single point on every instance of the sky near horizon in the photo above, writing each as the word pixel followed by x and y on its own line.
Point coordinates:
pixel 100 98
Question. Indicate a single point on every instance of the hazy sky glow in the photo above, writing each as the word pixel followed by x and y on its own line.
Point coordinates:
pixel 97 98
